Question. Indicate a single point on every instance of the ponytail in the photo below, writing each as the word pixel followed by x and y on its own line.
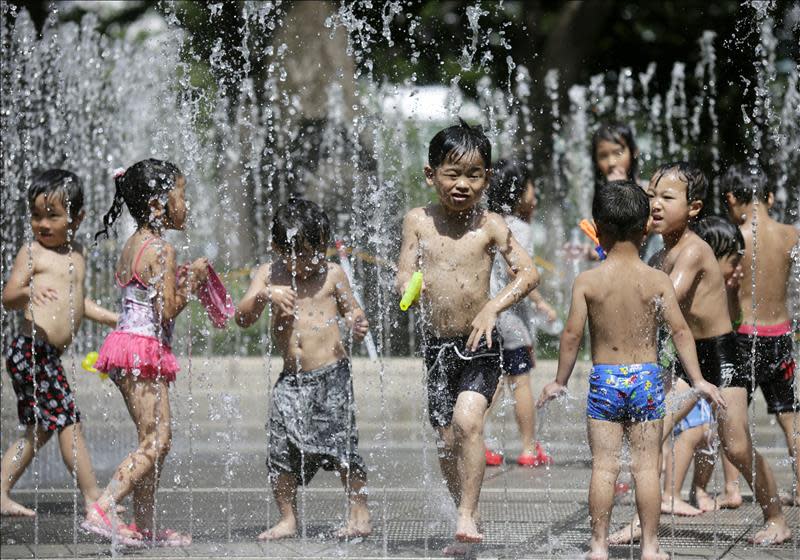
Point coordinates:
pixel 116 206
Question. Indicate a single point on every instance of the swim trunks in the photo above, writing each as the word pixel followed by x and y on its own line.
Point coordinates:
pixel 517 361
pixel 774 363
pixel 699 415
pixel 312 423
pixel 719 362
pixel 452 369
pixel 626 393
pixel 49 402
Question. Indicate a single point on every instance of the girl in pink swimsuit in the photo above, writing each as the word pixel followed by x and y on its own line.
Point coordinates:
pixel 138 354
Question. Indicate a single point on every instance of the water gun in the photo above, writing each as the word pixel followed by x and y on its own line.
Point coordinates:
pixel 88 364
pixel 412 291
pixel 588 228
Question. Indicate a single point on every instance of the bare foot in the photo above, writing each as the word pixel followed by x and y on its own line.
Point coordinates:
pixel 631 532
pixel 774 532
pixel 657 555
pixel 467 530
pixel 283 529
pixel 729 500
pixel 10 508
pixel 456 549
pixel 357 526
pixel 598 550
pixel 679 507
pixel 787 500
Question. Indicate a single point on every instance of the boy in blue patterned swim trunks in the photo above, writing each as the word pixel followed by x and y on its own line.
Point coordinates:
pixel 624 301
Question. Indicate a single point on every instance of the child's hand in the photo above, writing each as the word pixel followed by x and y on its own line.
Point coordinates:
pixel 198 271
pixel 282 297
pixel 549 313
pixel 43 295
pixel 549 392
pixel 482 325
pixel 711 392
pixel 732 283
pixel 360 328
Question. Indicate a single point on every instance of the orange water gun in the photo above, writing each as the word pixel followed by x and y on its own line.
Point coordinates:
pixel 588 228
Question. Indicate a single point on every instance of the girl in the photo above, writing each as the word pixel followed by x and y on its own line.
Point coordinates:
pixel 614 154
pixel 137 355
pixel 511 194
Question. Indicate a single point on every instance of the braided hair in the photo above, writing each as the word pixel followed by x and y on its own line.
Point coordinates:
pixel 136 187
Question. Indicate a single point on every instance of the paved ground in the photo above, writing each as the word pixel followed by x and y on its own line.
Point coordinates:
pixel 214 483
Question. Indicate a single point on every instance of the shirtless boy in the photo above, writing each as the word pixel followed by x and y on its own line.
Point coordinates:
pixel 453 242
pixel 46 282
pixel 624 300
pixel 676 192
pixel 769 324
pixel 312 415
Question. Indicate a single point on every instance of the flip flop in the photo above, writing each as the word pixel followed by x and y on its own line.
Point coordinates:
pixel 165 537
pixel 109 531
pixel 216 299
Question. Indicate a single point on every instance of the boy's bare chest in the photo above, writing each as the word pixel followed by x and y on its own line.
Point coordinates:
pixel 471 249
pixel 59 271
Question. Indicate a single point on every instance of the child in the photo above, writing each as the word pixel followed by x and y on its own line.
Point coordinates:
pixel 614 154
pixel 769 325
pixel 676 192
pixel 453 242
pixel 623 300
pixel 312 415
pixel 46 281
pixel 137 355
pixel 512 196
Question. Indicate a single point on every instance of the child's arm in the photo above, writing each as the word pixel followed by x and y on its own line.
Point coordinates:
pixel 407 262
pixel 17 293
pixel 259 294
pixel 353 315
pixel 684 344
pixel 525 279
pixel 173 292
pixel 98 314
pixel 684 273
pixel 570 343
pixel 536 298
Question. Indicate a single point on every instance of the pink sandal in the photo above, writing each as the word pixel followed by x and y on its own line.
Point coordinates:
pixel 109 531
pixel 165 537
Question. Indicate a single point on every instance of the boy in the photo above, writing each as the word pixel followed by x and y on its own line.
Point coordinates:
pixel 769 325
pixel 312 416
pixel 676 192
pixel 623 300
pixel 46 282
pixel 453 242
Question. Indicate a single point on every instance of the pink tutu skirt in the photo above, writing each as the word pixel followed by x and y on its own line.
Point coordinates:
pixel 141 355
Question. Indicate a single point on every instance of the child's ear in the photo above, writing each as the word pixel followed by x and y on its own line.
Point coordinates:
pixel 695 207
pixel 428 170
pixel 770 200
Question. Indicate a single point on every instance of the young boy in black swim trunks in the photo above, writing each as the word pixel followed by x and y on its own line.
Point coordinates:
pixel 676 192
pixel 766 321
pixel 453 242
pixel 312 414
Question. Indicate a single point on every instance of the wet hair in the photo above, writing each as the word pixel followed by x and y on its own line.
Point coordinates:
pixel 136 187
pixel 742 183
pixel 456 141
pixel 507 186
pixel 621 209
pixel 59 183
pixel 617 133
pixel 724 237
pixel 300 222
pixel 695 179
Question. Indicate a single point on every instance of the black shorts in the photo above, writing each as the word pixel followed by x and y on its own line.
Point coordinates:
pixel 452 370
pixel 517 361
pixel 774 367
pixel 719 362
pixel 49 401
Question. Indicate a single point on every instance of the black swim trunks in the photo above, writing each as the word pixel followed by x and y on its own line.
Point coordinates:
pixel 774 368
pixel 49 402
pixel 517 361
pixel 312 423
pixel 452 370
pixel 719 362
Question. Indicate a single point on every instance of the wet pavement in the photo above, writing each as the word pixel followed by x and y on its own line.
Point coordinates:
pixel 214 482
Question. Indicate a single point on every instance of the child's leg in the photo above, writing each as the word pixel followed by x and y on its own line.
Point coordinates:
pixel 738 446
pixel 790 422
pixel 284 488
pixel 605 443
pixel 358 525
pixel 15 460
pixel 448 462
pixel 524 410
pixel 680 401
pixel 676 464
pixel 75 454
pixel 469 452
pixel 645 441
pixel 731 497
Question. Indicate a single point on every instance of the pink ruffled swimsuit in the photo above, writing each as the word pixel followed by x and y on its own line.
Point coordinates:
pixel 139 345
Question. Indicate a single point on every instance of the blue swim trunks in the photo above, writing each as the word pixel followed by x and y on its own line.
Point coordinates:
pixel 699 415
pixel 626 393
